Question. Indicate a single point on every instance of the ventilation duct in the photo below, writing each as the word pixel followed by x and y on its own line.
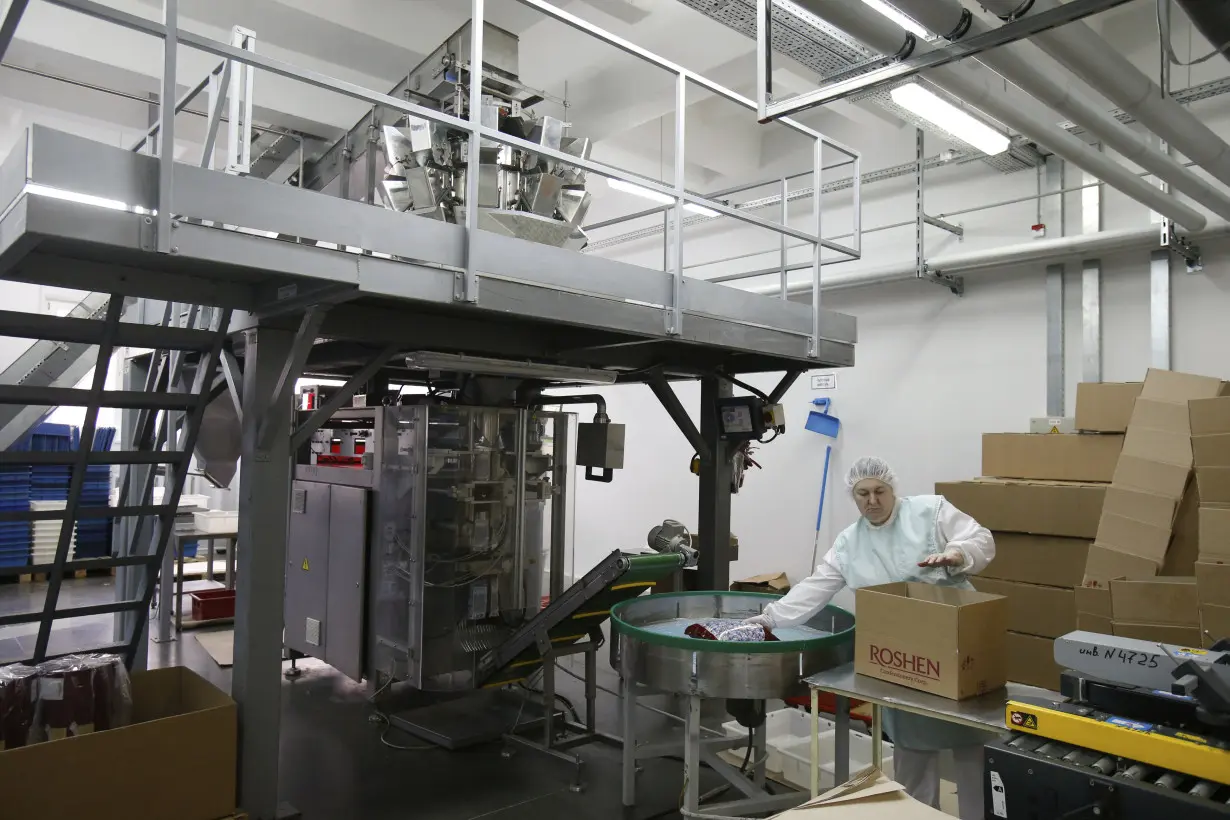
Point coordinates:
pixel 1212 20
pixel 1093 60
pixel 1027 67
pixel 1026 116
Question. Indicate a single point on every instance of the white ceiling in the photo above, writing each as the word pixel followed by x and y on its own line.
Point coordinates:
pixel 624 103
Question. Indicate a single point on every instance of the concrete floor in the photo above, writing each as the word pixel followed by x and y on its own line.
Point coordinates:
pixel 335 766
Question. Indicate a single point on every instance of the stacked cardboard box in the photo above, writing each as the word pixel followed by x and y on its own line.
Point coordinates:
pixel 1158 610
pixel 1149 524
pixel 1210 421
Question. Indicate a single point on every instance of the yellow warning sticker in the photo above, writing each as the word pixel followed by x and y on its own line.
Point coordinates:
pixel 305 565
pixel 1054 429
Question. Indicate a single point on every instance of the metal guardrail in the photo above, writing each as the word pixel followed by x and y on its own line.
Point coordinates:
pixel 168 30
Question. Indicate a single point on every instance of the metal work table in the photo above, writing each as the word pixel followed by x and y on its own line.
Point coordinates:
pixel 983 712
pixel 173 567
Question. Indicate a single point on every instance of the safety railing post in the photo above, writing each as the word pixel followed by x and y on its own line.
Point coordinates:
pixel 674 311
pixel 813 346
pixel 166 115
pixel 783 271
pixel 468 292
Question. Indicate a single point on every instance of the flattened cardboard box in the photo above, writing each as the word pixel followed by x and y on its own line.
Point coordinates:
pixel 1134 537
pixel 1105 407
pixel 1159 633
pixel 1088 622
pixel 869 795
pixel 1156 477
pixel 942 640
pixel 1209 416
pixel 1166 446
pixel 1214 624
pixel 100 775
pixel 1214 533
pixel 1105 564
pixel 1139 505
pixel 1038 559
pixel 1160 415
pixel 1170 601
pixel 1212 450
pixel 1170 385
pixel 1214 483
pixel 1185 536
pixel 1031 661
pixel 1093 601
pixel 1213 584
pixel 1051 457
pixel 1036 507
pixel 1032 609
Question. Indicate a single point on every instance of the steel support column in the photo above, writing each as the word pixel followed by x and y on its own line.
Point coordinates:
pixel 1159 309
pixel 264 508
pixel 166 138
pixel 1091 284
pixel 713 569
pixel 8 26
pixel 1051 214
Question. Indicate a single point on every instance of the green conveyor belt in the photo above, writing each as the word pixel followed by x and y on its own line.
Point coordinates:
pixel 578 612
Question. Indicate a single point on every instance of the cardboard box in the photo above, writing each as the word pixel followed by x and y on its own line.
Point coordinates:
pixel 1212 450
pixel 1140 505
pixel 1214 532
pixel 1213 584
pixel 868 796
pixel 1051 457
pixel 175 712
pixel 1134 537
pixel 773 583
pixel 1038 559
pixel 1214 484
pixel 1036 507
pixel 1156 601
pixel 1032 609
pixel 1160 415
pixel 1214 624
pixel 1088 622
pixel 1169 385
pixel 1093 601
pixel 1159 633
pixel 942 640
pixel 1105 407
pixel 1209 416
pixel 1167 446
pixel 1157 477
pixel 1106 564
pixel 1031 660
pixel 1184 537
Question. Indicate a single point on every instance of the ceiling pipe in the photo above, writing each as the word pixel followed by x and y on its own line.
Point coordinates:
pixel 1022 114
pixel 1027 67
pixel 1025 253
pixel 1095 61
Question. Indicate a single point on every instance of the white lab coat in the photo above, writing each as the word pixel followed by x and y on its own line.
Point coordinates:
pixel 953 530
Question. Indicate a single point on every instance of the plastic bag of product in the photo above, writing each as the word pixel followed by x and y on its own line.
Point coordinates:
pixel 728 629
pixel 79 694
pixel 18 683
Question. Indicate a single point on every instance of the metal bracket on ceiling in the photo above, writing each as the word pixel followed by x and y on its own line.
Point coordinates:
pixel 955 284
pixel 1182 247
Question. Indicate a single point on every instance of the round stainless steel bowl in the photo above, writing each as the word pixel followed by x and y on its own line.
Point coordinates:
pixel 718 669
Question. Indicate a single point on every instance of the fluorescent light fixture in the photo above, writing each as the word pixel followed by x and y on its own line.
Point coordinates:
pixel 661 199
pixel 947 116
pixel 892 13
pixel 319 381
pixel 427 360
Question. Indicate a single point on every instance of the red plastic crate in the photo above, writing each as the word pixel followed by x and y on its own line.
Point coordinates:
pixel 212 604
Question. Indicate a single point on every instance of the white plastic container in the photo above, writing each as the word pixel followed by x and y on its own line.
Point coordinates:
pixel 796 758
pixel 190 500
pixel 783 727
pixel 216 521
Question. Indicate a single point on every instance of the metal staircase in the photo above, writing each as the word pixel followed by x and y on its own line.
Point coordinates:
pixel 187 347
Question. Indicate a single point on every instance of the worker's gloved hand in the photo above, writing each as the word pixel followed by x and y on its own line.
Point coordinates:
pixel 948 558
pixel 760 620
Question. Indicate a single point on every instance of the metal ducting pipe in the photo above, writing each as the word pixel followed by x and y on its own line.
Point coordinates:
pixel 1034 72
pixel 967 83
pixel 1037 251
pixel 1095 61
pixel 1211 19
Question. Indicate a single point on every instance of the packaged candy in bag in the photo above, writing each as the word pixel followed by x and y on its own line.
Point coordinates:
pixel 728 629
pixel 79 694
pixel 17 687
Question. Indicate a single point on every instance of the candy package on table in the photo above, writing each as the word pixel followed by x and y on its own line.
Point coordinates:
pixel 18 684
pixel 728 629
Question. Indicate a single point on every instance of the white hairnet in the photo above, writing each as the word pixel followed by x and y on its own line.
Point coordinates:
pixel 871 467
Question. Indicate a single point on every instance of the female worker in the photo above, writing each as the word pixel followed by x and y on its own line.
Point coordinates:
pixel 916 538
